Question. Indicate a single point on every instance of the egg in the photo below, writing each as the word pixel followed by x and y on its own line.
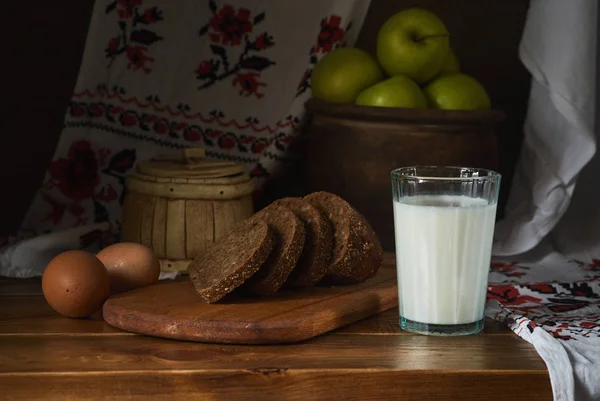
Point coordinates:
pixel 129 265
pixel 75 284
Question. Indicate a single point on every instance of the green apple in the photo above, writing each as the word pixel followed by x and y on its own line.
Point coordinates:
pixel 397 91
pixel 414 43
pixel 451 64
pixel 343 73
pixel 457 92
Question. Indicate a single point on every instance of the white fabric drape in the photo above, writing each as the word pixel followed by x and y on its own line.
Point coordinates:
pixel 559 48
pixel 553 212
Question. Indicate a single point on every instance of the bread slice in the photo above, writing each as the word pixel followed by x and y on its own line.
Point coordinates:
pixel 289 241
pixel 356 246
pixel 231 260
pixel 316 255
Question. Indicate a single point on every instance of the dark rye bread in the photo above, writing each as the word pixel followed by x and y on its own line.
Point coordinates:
pixel 289 242
pixel 356 247
pixel 231 260
pixel 316 255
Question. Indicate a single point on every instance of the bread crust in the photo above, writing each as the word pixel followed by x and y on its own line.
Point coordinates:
pixel 373 247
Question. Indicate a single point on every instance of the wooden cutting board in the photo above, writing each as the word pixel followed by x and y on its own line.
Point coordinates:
pixel 174 310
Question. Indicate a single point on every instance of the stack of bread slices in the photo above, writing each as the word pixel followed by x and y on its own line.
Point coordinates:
pixel 292 243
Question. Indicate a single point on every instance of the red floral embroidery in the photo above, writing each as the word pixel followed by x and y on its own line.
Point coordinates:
pixel 76 176
pixel 510 295
pixel 508 269
pixel 249 84
pixel 193 134
pixel 247 139
pixel 137 58
pixel 161 126
pixel 75 188
pixel 263 41
pixel 126 7
pixel 129 119
pixel 330 34
pixel 228 26
pixel 207 69
pixel 593 266
pixel 259 146
pixel 542 288
pixel 78 110
pixel 187 130
pixel 113 45
pixel 96 110
pixel 227 141
pixel 204 68
pixel 151 15
pixel 135 45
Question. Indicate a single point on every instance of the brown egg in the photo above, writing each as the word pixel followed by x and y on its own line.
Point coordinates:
pixel 129 266
pixel 75 284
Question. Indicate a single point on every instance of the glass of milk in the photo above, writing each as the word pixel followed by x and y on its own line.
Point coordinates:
pixel 444 225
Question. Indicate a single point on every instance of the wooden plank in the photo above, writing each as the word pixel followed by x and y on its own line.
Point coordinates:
pixel 174 310
pixel 159 228
pixel 21 315
pixel 282 384
pixel 20 286
pixel 176 229
pixel 31 354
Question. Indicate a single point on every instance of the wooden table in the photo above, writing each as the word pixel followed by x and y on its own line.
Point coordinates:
pixel 46 356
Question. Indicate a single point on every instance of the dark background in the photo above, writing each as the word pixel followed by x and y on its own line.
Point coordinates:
pixel 51 38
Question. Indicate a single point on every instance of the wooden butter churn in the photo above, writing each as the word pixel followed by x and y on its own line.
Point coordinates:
pixel 178 207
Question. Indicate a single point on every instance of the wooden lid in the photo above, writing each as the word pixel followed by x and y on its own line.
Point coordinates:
pixel 190 177
pixel 192 164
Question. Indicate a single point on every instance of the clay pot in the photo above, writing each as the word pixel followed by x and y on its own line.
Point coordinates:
pixel 351 150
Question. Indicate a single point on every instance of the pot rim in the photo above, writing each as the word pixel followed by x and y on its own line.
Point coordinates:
pixel 404 115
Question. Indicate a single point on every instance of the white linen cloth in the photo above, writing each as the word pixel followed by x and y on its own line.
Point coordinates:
pixel 559 49
pixel 553 210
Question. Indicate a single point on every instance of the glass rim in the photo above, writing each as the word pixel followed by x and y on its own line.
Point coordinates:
pixel 402 172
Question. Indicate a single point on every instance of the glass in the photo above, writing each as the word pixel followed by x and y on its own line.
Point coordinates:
pixel 444 221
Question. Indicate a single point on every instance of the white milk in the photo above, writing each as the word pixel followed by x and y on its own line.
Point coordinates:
pixel 443 250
